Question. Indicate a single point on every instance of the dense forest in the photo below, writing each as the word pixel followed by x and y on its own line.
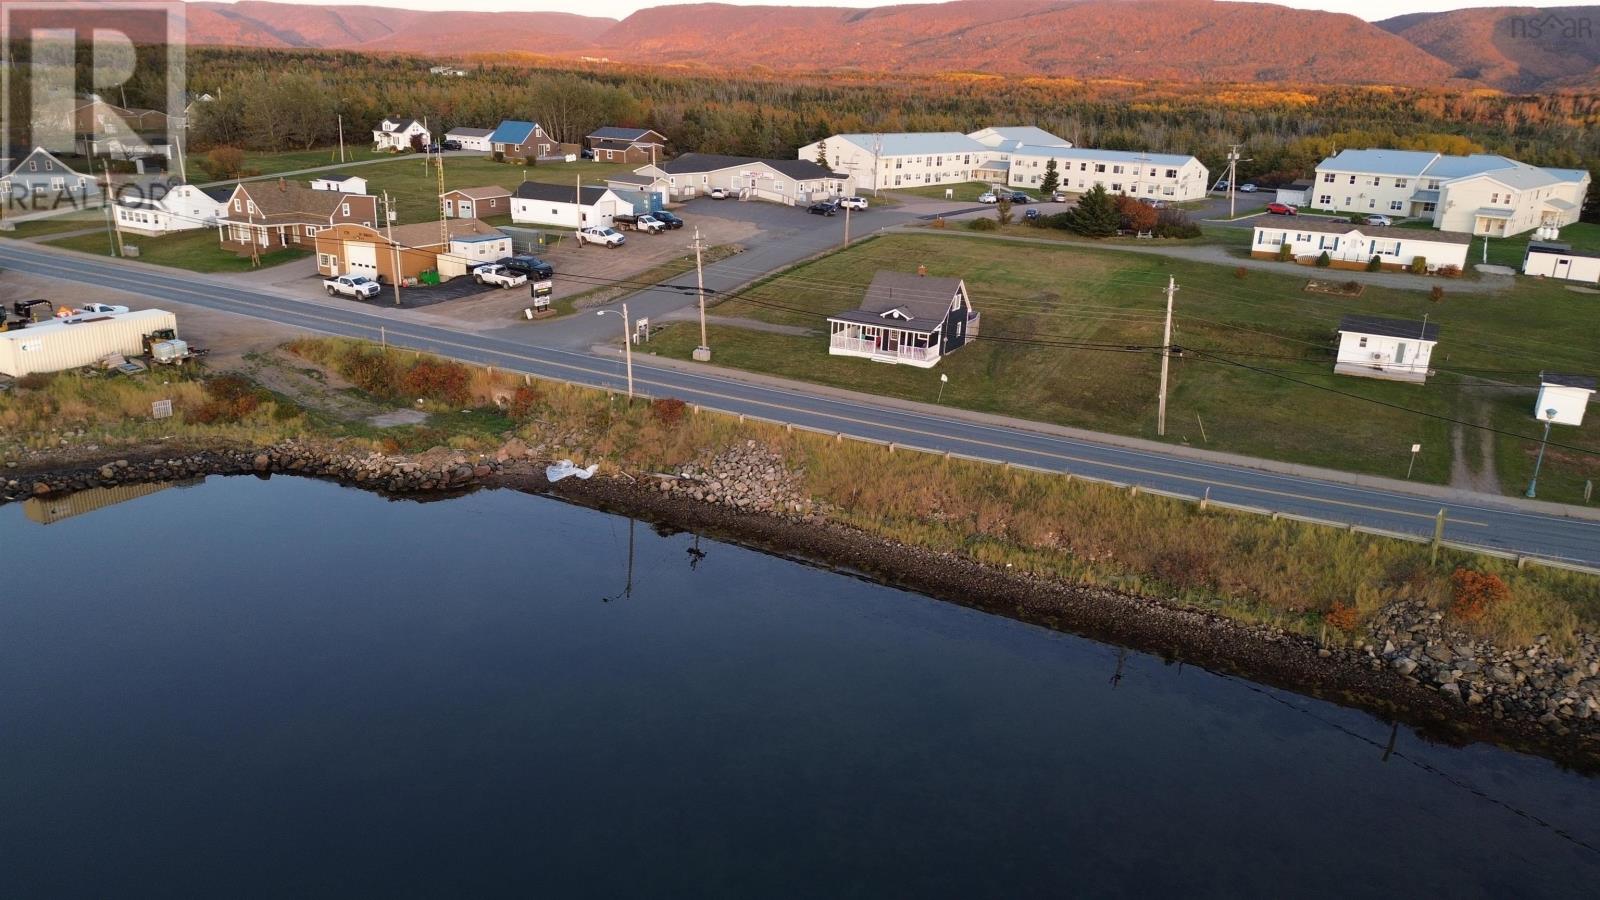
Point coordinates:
pixel 276 99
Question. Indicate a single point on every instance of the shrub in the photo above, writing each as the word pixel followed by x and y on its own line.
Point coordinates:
pixel 983 224
pixel 438 379
pixel 1174 223
pixel 667 410
pixel 1374 264
pixel 36 381
pixel 1357 218
pixel 1343 617
pixel 1137 216
pixel 1436 294
pixel 1324 260
pixel 1002 210
pixel 1240 272
pixel 524 401
pixel 229 398
pixel 1474 593
pixel 1419 265
pixel 1352 287
pixel 1285 252
pixel 1450 271
pixel 371 371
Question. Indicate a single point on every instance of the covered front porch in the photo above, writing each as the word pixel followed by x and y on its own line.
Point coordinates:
pixel 884 343
pixel 250 240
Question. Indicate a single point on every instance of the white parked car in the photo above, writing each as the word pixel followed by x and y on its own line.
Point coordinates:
pixel 101 308
pixel 495 273
pixel 853 202
pixel 1058 197
pixel 988 197
pixel 719 194
pixel 1247 188
pixel 1379 220
pixel 358 286
pixel 605 237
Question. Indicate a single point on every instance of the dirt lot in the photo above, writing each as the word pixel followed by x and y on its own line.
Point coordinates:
pixel 228 336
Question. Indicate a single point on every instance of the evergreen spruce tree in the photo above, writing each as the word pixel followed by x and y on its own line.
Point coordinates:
pixel 1051 180
pixel 1095 215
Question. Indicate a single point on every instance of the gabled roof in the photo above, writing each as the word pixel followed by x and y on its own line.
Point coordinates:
pixel 1427 164
pixel 1339 226
pixel 17 169
pixel 1010 137
pixel 220 193
pixel 557 193
pixel 341 179
pixel 1089 154
pixel 905 300
pixel 470 132
pixel 512 131
pixel 284 202
pixel 1399 328
pixel 692 163
pixel 630 135
pixel 398 123
pixel 912 143
pixel 1583 382
pixel 480 193
pixel 631 179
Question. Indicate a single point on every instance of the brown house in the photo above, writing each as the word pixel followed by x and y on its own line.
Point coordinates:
pixel 264 216
pixel 516 141
pixel 640 146
pixel 476 202
pixel 351 249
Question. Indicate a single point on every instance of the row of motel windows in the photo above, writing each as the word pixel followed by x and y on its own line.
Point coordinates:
pixel 1326 202
pixel 1115 169
pixel 1326 242
pixel 1432 183
pixel 1115 187
pixel 930 177
pixel 899 161
pixel 56 184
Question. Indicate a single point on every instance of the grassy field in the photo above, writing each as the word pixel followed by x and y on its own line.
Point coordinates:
pixel 73 221
pixel 966 191
pixel 414 185
pixel 1264 321
pixel 294 160
pixel 195 250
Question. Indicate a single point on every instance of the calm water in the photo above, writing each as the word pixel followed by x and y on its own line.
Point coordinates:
pixel 293 689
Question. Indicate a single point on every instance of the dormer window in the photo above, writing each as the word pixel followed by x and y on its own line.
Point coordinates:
pixel 896 313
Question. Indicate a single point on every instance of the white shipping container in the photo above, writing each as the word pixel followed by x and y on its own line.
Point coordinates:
pixel 54 346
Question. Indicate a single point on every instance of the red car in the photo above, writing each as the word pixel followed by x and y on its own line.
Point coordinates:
pixel 1282 209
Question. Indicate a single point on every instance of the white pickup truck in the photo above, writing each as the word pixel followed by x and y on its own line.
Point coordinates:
pixel 495 273
pixel 358 286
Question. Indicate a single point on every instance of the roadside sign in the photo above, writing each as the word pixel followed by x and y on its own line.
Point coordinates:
pixel 161 409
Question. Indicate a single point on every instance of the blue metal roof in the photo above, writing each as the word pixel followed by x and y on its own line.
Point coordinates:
pixel 512 132
pixel 1089 154
pixel 915 143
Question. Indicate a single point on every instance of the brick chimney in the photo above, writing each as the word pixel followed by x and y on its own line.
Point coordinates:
pixel 922 271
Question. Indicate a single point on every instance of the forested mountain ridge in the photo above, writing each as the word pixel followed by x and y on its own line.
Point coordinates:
pixel 1154 40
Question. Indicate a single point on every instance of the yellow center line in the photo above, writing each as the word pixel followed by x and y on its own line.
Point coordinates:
pixel 400 332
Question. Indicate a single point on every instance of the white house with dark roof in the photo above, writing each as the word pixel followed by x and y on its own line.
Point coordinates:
pixel 564 206
pixel 787 181
pixel 396 133
pixel 1391 349
pixel 345 184
pixel 1554 260
pixel 1162 176
pixel 1353 246
pixel 904 159
pixel 471 138
pixel 42 181
pixel 1567 395
pixel 1481 194
pixel 906 318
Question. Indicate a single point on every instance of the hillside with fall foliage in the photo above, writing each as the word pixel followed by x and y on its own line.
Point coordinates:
pixel 1511 48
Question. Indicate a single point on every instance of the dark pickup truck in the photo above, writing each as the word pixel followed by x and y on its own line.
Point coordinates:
pixel 531 266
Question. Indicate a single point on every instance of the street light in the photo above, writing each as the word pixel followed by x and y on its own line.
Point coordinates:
pixel 1549 416
pixel 627 342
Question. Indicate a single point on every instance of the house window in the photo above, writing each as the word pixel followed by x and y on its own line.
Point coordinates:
pixel 1433 184
pixel 1116 187
pixel 236 206
pixel 1375 181
pixel 1116 170
pixel 58 183
pixel 311 231
pixel 344 209
pixel 1362 342
pixel 1100 167
pixel 1324 200
pixel 1429 207
pixel 1372 204
pixel 1327 178
pixel 327 261
pixel 1171 173
pixel 1400 182
pixel 1396 206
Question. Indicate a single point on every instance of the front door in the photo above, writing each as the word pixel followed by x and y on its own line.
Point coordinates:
pixel 1400 354
pixel 891 341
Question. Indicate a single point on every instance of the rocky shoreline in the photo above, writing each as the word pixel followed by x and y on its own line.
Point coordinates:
pixel 1413 666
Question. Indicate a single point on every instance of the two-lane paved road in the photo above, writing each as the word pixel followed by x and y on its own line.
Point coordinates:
pixel 1482 521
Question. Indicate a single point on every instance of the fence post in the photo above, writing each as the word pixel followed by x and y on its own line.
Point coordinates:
pixel 1205 500
pixel 1438 537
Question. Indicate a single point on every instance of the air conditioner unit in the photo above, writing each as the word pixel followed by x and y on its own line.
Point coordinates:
pixel 1377 356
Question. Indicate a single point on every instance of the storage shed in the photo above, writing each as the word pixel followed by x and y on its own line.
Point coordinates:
pixel 1553 260
pixel 84 341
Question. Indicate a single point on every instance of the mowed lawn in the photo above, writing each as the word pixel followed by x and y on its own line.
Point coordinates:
pixel 966 191
pixel 413 184
pixel 196 251
pixel 1272 393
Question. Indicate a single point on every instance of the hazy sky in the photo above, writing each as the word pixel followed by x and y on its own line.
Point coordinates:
pixel 1367 9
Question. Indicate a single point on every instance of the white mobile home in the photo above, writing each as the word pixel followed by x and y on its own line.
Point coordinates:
pixel 1392 349
pixel 1160 176
pixel 1553 260
pixel 82 341
pixel 1353 246
pixel 344 184
pixel 1563 399
pixel 536 203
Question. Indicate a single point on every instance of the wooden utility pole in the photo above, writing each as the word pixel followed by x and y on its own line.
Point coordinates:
pixel 1166 357
pixel 847 226
pixel 341 137
pixel 388 220
pixel 113 230
pixel 702 353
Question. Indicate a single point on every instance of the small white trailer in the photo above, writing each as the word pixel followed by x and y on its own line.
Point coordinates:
pixel 85 340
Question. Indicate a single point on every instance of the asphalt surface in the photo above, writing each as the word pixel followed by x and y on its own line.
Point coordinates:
pixel 1478 520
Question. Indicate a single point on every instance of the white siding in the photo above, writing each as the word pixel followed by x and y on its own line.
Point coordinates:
pixel 55 346
pixel 1570 403
pixel 1353 246
pixel 1561 265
